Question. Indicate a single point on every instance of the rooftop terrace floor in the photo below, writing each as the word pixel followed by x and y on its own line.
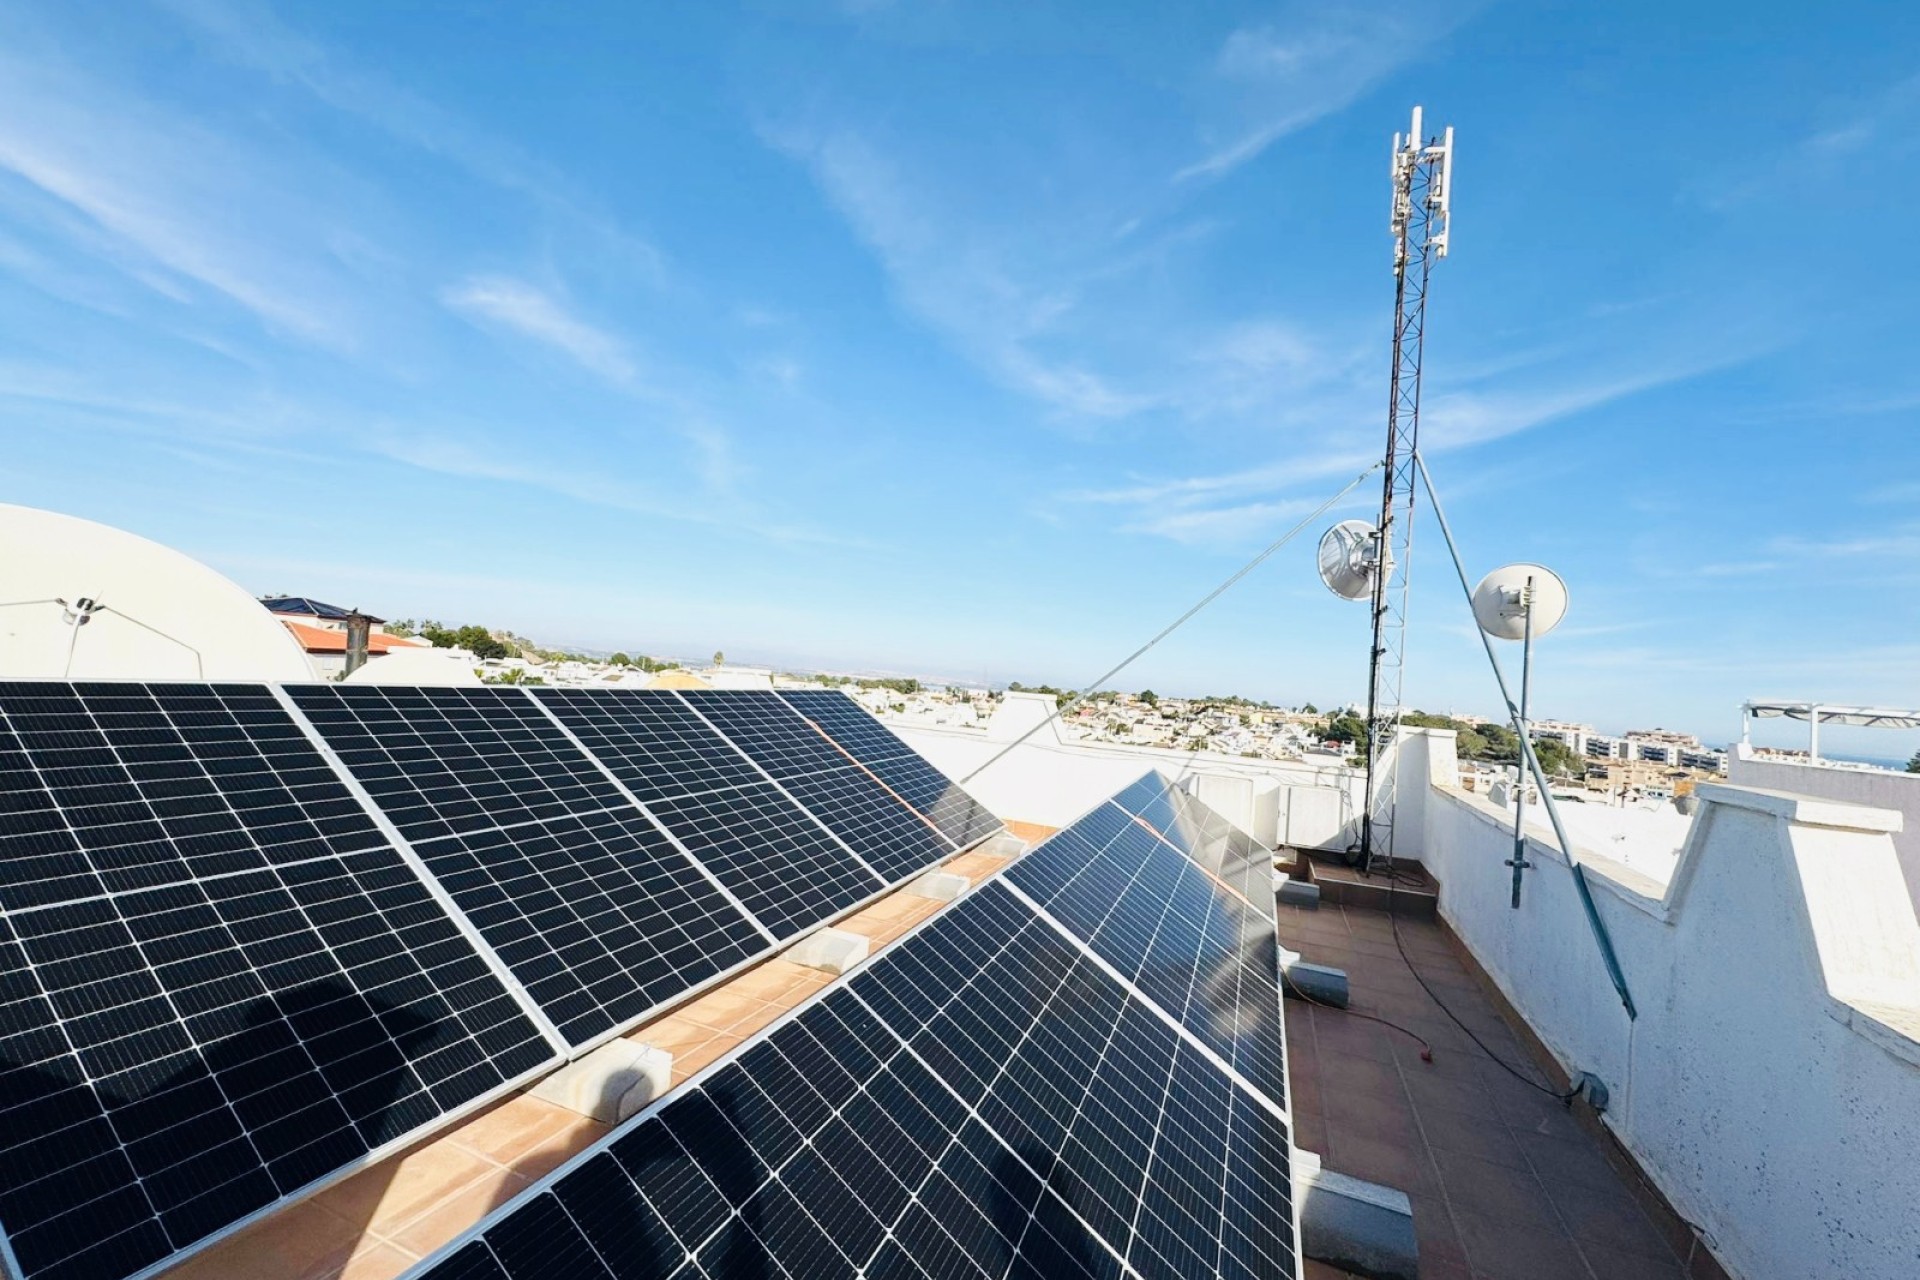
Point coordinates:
pixel 1506 1182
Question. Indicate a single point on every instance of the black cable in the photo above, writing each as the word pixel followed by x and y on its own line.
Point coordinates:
pixel 1426 1050
pixel 1392 922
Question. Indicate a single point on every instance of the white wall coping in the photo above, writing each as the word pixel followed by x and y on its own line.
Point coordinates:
pixel 1638 890
pixel 1807 811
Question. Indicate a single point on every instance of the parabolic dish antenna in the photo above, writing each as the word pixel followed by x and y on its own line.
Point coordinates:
pixel 1348 559
pixel 1503 598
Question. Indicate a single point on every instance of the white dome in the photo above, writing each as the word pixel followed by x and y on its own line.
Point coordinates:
pixel 158 615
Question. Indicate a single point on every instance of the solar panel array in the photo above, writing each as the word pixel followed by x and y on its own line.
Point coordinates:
pixel 595 911
pixel 989 1097
pixel 957 815
pixel 251 937
pixel 1159 910
pixel 785 864
pixel 219 981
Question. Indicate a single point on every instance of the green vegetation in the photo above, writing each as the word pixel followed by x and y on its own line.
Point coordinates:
pixel 475 639
pixel 515 675
pixel 1149 697
pixel 1913 765
pixel 1349 729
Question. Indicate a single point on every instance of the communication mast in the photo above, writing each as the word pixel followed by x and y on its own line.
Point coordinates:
pixel 1422 185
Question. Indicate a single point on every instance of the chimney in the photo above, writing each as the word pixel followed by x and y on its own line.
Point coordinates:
pixel 357 627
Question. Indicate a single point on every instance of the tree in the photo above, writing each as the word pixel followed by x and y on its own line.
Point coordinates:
pixel 719 658
pixel 1307 708
pixel 1913 765
pixel 1557 759
pixel 1349 729
pixel 1149 697
pixel 621 660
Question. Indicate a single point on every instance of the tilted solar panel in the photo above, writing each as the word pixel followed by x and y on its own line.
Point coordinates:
pixel 848 724
pixel 791 868
pixel 888 834
pixel 598 914
pixel 652 740
pixel 910 777
pixel 1191 942
pixel 986 1099
pixel 219 982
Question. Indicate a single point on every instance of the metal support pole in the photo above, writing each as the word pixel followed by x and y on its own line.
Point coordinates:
pixel 1519 861
pixel 1594 922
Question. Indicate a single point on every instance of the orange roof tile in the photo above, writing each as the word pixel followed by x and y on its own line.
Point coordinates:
pixel 321 640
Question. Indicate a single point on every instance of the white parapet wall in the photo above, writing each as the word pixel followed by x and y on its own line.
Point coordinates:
pixel 1879 788
pixel 1052 779
pixel 1771 1084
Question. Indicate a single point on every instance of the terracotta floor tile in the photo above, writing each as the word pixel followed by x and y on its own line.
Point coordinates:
pixel 288 1243
pixel 671 1033
pixel 560 1148
pixel 457 1212
pixel 1610 1217
pixel 1391 1164
pixel 378 1261
pixel 1618 1264
pixel 697 1057
pixel 1480 1136
pixel 418 1181
pixel 1497 1192
pixel 513 1128
pixel 1501 1251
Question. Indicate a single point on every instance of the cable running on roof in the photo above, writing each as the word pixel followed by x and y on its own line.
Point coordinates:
pixel 1245 569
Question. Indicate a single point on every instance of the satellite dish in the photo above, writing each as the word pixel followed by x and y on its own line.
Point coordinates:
pixel 1502 600
pixel 1348 559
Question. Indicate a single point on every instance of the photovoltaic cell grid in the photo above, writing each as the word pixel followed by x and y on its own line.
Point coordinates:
pixel 957 815
pixel 218 981
pixel 590 906
pixel 1204 954
pixel 983 1101
pixel 652 741
pixel 762 845
pixel 888 835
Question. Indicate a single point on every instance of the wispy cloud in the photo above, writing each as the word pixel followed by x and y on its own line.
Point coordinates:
pixel 532 313
pixel 249 34
pixel 960 280
pixel 1829 150
pixel 1231 508
pixel 584 482
pixel 1281 76
pixel 169 201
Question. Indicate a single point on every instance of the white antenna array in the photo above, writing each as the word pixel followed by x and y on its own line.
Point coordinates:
pixel 1422 173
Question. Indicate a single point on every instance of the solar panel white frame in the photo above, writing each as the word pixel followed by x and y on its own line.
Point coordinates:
pixel 8 1257
pixel 1186 1042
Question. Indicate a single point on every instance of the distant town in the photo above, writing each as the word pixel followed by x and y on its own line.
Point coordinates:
pixel 1649 763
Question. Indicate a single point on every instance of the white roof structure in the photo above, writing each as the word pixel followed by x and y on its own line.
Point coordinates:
pixel 448 667
pixel 1810 712
pixel 81 600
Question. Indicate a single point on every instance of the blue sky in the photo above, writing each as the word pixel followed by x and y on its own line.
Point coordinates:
pixel 980 339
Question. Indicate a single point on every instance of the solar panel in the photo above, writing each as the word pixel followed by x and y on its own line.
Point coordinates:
pixel 848 724
pixel 653 742
pixel 1191 942
pixel 219 982
pixel 771 733
pixel 851 799
pixel 789 866
pixel 985 1099
pixel 903 771
pixel 593 908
